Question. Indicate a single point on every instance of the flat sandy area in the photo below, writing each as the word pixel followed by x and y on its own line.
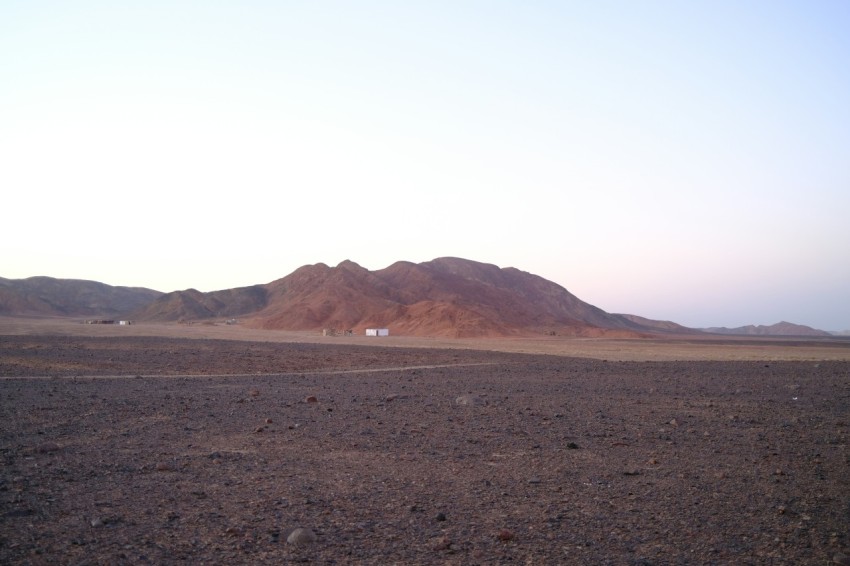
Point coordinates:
pixel 182 445
pixel 659 349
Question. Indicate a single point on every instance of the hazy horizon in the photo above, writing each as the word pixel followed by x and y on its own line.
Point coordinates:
pixel 678 161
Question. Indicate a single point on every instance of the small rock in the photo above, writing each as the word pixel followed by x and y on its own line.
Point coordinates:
pixel 533 481
pixel 572 446
pixel 301 536
pixel 96 522
pixel 311 399
pixel 234 531
pixel 165 467
pixel 505 535
pixel 47 447
pixel 269 421
pixel 440 517
pixel 470 401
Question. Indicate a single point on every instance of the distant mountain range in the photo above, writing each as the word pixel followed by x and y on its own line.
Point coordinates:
pixel 779 329
pixel 443 297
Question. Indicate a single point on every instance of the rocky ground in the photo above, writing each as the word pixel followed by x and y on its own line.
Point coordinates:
pixel 161 451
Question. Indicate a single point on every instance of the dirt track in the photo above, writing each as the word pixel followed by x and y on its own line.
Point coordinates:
pixel 555 459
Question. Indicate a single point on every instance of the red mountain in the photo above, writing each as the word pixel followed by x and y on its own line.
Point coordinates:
pixel 443 297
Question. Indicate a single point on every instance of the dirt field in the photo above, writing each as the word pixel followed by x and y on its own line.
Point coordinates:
pixel 688 348
pixel 134 449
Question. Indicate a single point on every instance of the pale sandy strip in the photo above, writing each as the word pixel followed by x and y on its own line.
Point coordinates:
pixel 242 375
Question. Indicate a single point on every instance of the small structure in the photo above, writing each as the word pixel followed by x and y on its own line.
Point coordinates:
pixel 335 332
pixel 377 332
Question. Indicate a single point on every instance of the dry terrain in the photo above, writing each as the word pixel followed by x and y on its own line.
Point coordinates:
pixel 211 444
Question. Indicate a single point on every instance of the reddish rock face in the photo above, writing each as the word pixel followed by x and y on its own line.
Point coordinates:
pixel 447 297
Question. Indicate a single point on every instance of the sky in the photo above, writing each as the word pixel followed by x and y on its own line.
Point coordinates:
pixel 685 161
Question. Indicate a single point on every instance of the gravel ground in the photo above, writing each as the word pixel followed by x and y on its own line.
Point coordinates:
pixel 163 451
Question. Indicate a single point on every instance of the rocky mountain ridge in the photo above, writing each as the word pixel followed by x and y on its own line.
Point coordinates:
pixel 447 296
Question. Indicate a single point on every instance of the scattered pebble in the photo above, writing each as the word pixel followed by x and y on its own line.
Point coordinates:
pixel 311 399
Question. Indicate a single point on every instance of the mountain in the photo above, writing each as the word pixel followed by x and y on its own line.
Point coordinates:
pixel 192 304
pixel 46 296
pixel 779 329
pixel 443 297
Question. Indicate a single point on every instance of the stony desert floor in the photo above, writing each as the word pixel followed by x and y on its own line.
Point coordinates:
pixel 134 449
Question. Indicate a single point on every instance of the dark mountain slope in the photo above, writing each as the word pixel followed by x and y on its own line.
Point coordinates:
pixel 46 296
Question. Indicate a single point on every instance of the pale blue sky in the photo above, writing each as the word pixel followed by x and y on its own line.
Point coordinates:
pixel 687 161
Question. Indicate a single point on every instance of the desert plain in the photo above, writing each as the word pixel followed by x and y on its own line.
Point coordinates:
pixel 215 444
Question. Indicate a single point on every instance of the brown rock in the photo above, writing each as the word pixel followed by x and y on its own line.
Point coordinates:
pixel 301 536
pixel 47 447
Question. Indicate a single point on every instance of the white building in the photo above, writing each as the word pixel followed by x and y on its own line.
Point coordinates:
pixel 377 332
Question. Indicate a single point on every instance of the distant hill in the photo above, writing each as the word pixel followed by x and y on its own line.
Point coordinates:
pixel 779 329
pixel 194 305
pixel 443 297
pixel 46 296
pixel 658 325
